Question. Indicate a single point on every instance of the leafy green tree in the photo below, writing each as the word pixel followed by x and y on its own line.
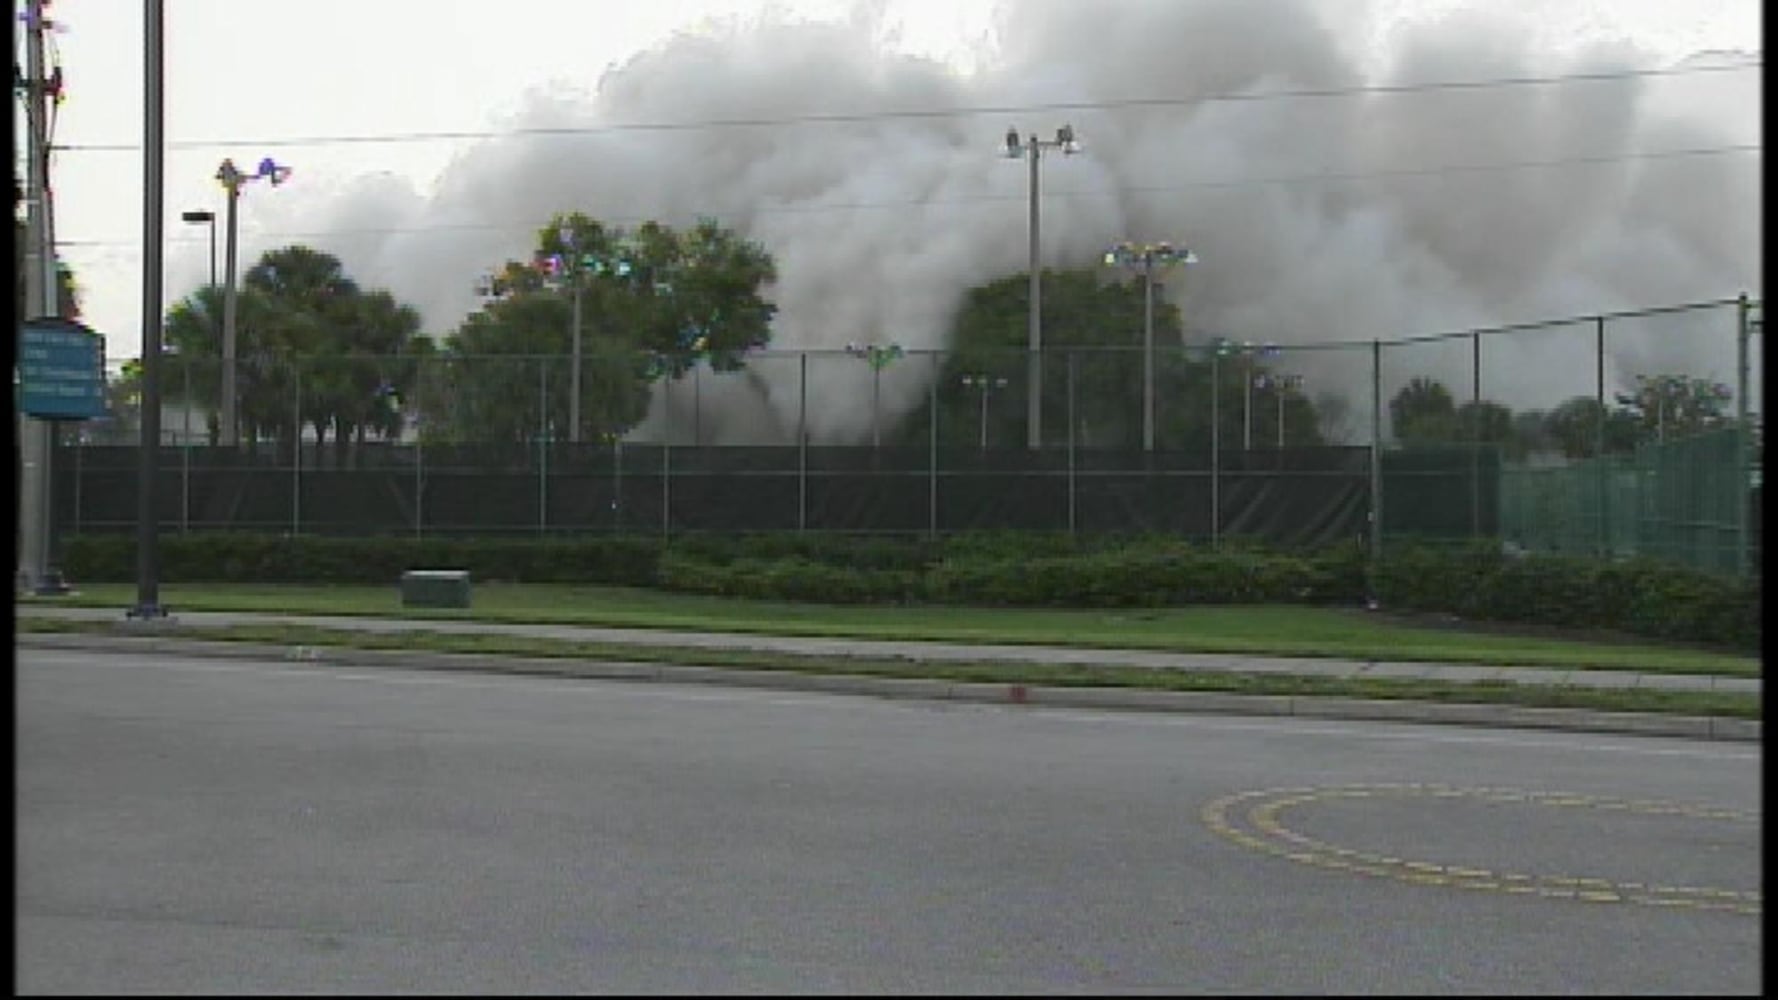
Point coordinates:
pixel 303 326
pixel 1530 428
pixel 1574 428
pixel 1668 406
pixel 1423 413
pixel 1100 323
pixel 654 302
pixel 1489 423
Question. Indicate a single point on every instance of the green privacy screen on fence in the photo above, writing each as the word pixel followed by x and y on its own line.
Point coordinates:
pixel 1684 500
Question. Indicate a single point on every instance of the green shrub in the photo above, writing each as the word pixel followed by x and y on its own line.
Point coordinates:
pixel 1642 597
pixel 787 579
pixel 1471 579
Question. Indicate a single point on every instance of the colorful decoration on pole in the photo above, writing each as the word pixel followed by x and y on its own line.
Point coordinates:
pixel 1271 381
pixel 268 170
pixel 1132 254
pixel 879 356
pixel 1225 347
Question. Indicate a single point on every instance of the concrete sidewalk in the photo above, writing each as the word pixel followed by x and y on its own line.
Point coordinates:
pixel 939 651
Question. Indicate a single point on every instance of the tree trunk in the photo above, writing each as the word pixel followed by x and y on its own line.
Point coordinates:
pixel 320 439
pixel 341 437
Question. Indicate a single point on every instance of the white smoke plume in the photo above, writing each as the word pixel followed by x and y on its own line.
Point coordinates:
pixel 1318 218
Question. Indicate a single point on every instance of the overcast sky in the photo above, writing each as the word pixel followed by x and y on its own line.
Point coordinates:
pixel 424 216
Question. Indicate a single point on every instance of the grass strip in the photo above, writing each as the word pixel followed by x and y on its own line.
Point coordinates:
pixel 1234 630
pixel 1731 705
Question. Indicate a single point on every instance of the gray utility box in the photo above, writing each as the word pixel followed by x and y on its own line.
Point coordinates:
pixel 435 588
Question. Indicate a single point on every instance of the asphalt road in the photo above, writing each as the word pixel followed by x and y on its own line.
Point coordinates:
pixel 234 826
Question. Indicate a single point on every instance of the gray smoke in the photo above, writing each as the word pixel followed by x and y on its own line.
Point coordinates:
pixel 1318 219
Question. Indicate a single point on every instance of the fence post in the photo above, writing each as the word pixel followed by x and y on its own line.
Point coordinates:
pixel 1744 464
pixel 1150 453
pixel 185 453
pixel 79 446
pixel 617 483
pixel 932 450
pixel 419 482
pixel 1600 458
pixel 296 448
pixel 1376 463
pixel 1215 448
pixel 1475 444
pixel 802 440
pixel 542 444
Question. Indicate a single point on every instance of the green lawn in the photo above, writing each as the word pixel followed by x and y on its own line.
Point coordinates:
pixel 1695 703
pixel 1253 630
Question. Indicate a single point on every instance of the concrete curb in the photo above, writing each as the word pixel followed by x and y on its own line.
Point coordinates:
pixel 1117 698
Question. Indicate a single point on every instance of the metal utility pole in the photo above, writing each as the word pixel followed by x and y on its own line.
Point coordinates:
pixel 571 270
pixel 209 219
pixel 42 298
pixel 879 357
pixel 574 375
pixel 153 156
pixel 1033 148
pixel 1034 344
pixel 985 383
pixel 1146 256
pixel 232 178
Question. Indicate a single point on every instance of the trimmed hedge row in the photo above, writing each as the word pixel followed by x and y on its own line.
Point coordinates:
pixel 1473 580
pixel 240 557
pixel 1639 596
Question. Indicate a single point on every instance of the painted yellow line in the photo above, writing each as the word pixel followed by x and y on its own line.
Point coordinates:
pixel 1265 807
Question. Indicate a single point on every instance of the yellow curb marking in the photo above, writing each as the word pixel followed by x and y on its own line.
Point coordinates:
pixel 1274 836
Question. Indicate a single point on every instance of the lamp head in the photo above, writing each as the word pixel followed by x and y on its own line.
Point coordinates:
pixel 1065 139
pixel 1012 144
pixel 275 172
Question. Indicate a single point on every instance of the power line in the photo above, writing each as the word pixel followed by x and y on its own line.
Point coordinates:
pixel 1306 179
pixel 390 138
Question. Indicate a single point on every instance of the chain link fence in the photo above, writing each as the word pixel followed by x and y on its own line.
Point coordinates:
pixel 1517 433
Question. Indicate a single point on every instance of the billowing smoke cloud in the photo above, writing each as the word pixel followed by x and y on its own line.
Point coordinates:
pixel 1318 218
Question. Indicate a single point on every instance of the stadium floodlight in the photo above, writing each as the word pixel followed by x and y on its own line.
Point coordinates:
pixel 1146 257
pixel 232 180
pixel 879 357
pixel 985 383
pixel 1279 383
pixel 1033 147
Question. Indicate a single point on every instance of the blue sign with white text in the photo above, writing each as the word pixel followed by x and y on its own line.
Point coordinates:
pixel 61 370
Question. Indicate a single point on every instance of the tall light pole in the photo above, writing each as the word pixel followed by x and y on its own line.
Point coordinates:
pixel 195 217
pixel 1247 350
pixel 572 266
pixel 232 179
pixel 984 383
pixel 205 216
pixel 1033 147
pixel 879 357
pixel 1146 256
pixel 571 271
pixel 1278 383
pixel 148 606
